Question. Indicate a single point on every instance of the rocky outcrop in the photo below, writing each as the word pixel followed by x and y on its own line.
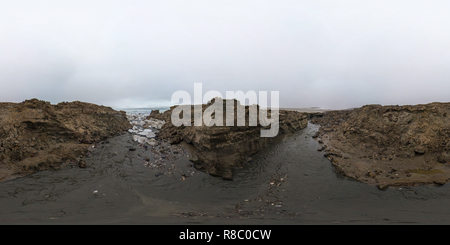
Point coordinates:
pixel 36 135
pixel 218 150
pixel 160 115
pixel 389 145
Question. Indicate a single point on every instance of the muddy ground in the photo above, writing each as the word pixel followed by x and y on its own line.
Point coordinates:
pixel 286 183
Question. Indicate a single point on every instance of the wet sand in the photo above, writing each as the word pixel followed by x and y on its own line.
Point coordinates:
pixel 287 183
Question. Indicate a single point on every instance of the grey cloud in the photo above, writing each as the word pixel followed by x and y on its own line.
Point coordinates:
pixel 332 54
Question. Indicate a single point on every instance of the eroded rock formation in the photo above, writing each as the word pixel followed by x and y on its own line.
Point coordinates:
pixel 35 135
pixel 389 145
pixel 218 150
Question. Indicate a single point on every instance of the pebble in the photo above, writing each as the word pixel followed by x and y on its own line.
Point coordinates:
pixel 82 163
pixel 142 128
pixel 147 133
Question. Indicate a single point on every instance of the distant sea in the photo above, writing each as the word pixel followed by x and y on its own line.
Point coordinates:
pixel 143 110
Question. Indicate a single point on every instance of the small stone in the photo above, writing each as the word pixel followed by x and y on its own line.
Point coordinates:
pixel 420 150
pixel 151 142
pixel 382 187
pixel 82 163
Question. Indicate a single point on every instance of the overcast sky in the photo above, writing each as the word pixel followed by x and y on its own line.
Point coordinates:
pixel 331 53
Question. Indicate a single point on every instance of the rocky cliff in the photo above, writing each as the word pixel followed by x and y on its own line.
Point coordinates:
pixel 218 150
pixel 389 145
pixel 35 135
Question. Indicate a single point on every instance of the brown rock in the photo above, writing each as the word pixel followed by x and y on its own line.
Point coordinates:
pixel 82 163
pixel 36 135
pixel 410 137
pixel 220 149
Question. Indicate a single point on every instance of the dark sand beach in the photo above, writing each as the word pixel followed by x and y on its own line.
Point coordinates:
pixel 287 183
